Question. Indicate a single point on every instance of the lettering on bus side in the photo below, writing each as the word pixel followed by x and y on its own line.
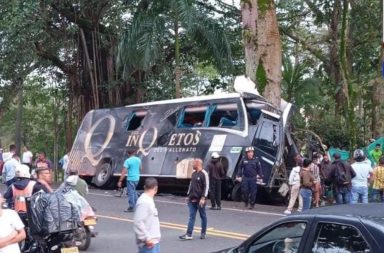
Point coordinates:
pixel 184 139
pixel 151 134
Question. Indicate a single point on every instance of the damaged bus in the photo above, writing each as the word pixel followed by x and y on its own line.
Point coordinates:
pixel 169 134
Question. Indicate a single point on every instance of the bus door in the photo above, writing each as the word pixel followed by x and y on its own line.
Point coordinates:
pixel 268 143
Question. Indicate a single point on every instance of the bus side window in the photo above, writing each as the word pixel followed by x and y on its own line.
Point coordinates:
pixel 133 122
pixel 224 115
pixel 192 116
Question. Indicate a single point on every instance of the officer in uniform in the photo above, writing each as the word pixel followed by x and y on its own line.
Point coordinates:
pixel 248 174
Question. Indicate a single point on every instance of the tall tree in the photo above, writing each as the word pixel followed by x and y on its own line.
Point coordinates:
pixel 262 45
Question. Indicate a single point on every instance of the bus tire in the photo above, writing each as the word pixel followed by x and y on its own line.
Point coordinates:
pixel 103 175
pixel 236 193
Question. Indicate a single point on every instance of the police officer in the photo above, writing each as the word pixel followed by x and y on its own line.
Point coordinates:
pixel 248 173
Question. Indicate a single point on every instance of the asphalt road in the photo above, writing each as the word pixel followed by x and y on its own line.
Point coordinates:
pixel 226 228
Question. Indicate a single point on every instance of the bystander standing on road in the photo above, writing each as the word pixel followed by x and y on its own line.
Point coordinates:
pixel 44 177
pixel 132 167
pixel 43 161
pixel 325 168
pixel 248 173
pixel 363 171
pixel 197 194
pixel 216 174
pixel 9 169
pixel 26 157
pixel 376 153
pixel 294 183
pixel 12 230
pixel 146 222
pixel 340 176
pixel 307 182
pixel 378 181
pixel 316 190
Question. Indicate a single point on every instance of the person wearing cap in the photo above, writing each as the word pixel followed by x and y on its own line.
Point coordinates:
pixel 12 230
pixel 363 172
pixel 340 176
pixel 22 188
pixel 248 173
pixel 75 182
pixel 216 173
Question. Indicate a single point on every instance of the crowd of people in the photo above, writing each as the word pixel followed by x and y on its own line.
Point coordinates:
pixel 321 181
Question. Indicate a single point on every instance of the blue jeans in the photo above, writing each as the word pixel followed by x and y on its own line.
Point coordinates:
pixel 193 207
pixel 343 195
pixel 155 249
pixel 132 194
pixel 359 192
pixel 377 195
pixel 306 194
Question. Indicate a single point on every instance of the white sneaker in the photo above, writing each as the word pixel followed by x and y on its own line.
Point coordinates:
pixel 299 210
pixel 287 212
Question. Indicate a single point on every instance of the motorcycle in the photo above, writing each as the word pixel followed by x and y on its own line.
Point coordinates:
pixel 85 232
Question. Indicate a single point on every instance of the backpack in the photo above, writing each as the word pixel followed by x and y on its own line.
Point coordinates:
pixel 342 175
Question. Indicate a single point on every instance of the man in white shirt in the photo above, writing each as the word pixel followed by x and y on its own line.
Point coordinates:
pixel 363 171
pixel 146 219
pixel 12 230
pixel 27 157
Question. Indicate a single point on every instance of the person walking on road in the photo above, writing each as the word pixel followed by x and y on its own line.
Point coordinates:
pixel 216 174
pixel 197 194
pixel 248 173
pixel 132 167
pixel 9 170
pixel 146 219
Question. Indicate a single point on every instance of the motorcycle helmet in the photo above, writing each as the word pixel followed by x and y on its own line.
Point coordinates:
pixel 358 155
pixel 250 148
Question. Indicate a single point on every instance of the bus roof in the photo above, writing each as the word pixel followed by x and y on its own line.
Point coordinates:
pixel 195 99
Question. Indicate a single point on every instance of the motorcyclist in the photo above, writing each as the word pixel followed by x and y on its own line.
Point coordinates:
pixel 22 188
pixel 75 182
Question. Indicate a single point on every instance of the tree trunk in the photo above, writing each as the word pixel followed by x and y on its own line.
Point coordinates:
pixel 177 61
pixel 272 58
pixel 262 45
pixel 18 129
pixel 249 18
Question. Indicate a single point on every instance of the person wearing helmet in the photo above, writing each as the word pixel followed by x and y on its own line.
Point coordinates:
pixel 363 172
pixel 216 173
pixel 248 173
pixel 20 189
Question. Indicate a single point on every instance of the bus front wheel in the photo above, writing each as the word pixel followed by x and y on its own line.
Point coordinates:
pixel 103 175
pixel 236 192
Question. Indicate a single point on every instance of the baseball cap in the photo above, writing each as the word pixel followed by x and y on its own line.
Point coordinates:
pixel 215 155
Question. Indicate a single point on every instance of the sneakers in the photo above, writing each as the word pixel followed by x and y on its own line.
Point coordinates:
pixel 287 212
pixel 129 210
pixel 203 236
pixel 299 210
pixel 186 237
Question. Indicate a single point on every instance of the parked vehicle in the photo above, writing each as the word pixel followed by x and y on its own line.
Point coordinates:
pixel 168 134
pixel 340 228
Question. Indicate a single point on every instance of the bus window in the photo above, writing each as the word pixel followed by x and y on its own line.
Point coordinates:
pixel 254 112
pixel 134 120
pixel 224 115
pixel 193 116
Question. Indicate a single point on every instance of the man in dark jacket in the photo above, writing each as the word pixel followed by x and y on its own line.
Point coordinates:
pixel 216 174
pixel 197 194
pixel 248 173
pixel 340 176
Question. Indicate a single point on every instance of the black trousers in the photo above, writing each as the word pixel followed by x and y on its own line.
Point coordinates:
pixel 249 189
pixel 215 191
